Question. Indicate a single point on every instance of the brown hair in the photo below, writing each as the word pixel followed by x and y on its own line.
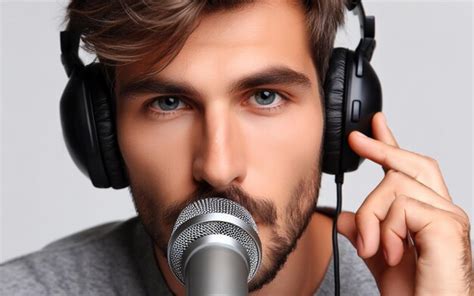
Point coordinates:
pixel 124 31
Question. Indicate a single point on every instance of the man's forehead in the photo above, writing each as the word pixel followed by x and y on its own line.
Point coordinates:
pixel 262 34
pixel 249 23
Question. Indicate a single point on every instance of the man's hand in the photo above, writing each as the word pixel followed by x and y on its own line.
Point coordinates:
pixel 412 237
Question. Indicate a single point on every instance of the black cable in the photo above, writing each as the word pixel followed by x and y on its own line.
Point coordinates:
pixel 339 181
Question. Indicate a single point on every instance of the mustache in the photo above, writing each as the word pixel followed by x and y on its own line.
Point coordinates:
pixel 262 210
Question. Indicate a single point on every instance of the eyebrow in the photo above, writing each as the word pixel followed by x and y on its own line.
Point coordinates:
pixel 280 75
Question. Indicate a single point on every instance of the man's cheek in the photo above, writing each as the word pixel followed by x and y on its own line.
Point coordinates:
pixel 154 162
pixel 279 157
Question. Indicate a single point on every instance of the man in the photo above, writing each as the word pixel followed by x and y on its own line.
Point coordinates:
pixel 227 101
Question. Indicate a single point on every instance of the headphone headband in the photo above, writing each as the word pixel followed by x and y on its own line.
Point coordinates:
pixel 70 51
pixel 366 47
pixel 367 23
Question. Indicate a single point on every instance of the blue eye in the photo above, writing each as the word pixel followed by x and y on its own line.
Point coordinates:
pixel 265 97
pixel 167 103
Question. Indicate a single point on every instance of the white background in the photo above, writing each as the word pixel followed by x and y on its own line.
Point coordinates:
pixel 423 58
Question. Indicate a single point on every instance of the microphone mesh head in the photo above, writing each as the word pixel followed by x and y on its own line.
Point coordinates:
pixel 188 235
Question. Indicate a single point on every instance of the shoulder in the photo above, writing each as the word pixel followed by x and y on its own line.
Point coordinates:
pixel 88 262
pixel 355 277
pixel 354 272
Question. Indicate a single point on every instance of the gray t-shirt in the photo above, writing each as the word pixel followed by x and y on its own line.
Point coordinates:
pixel 117 259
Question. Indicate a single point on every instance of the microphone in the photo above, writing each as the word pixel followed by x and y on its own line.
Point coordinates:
pixel 214 248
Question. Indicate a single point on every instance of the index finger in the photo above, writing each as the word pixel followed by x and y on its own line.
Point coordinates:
pixel 382 132
pixel 421 168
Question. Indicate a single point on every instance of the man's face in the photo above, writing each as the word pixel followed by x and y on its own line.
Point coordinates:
pixel 237 113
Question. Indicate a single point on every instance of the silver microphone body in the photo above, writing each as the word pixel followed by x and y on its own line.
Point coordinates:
pixel 214 248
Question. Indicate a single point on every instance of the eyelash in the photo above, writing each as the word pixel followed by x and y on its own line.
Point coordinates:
pixel 165 114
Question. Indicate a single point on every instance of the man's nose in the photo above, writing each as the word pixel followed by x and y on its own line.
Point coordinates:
pixel 220 157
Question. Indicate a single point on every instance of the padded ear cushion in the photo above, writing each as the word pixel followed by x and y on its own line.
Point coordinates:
pixel 101 99
pixel 79 131
pixel 334 89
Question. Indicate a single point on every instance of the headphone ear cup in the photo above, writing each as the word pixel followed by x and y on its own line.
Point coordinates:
pixel 102 101
pixel 334 94
pixel 79 130
pixel 353 95
pixel 89 129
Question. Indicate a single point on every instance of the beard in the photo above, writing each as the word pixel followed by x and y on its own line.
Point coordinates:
pixel 285 231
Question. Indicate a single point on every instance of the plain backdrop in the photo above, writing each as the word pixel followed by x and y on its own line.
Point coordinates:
pixel 423 58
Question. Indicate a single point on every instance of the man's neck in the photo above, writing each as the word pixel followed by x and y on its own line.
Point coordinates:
pixel 302 273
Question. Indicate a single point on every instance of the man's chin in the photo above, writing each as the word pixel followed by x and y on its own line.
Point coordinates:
pixel 279 249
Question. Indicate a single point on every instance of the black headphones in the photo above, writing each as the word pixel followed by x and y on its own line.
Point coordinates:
pixel 353 95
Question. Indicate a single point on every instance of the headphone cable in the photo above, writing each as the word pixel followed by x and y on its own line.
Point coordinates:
pixel 339 181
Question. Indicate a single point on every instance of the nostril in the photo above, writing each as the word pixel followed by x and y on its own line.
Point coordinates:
pixel 218 177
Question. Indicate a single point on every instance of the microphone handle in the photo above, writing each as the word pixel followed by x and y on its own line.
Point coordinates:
pixel 216 269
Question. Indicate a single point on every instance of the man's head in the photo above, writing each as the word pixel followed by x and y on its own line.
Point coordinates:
pixel 219 98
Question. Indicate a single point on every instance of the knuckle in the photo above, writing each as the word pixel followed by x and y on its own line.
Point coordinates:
pixel 454 227
pixel 360 216
pixel 463 223
pixel 401 201
pixel 393 176
pixel 431 162
pixel 460 211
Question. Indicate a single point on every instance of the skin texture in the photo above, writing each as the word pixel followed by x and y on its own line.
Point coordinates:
pixel 221 140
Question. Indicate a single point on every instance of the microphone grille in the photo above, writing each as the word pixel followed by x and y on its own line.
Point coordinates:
pixel 214 205
pixel 181 240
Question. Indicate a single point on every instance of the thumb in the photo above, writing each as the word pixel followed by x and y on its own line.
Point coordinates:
pixel 346 226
